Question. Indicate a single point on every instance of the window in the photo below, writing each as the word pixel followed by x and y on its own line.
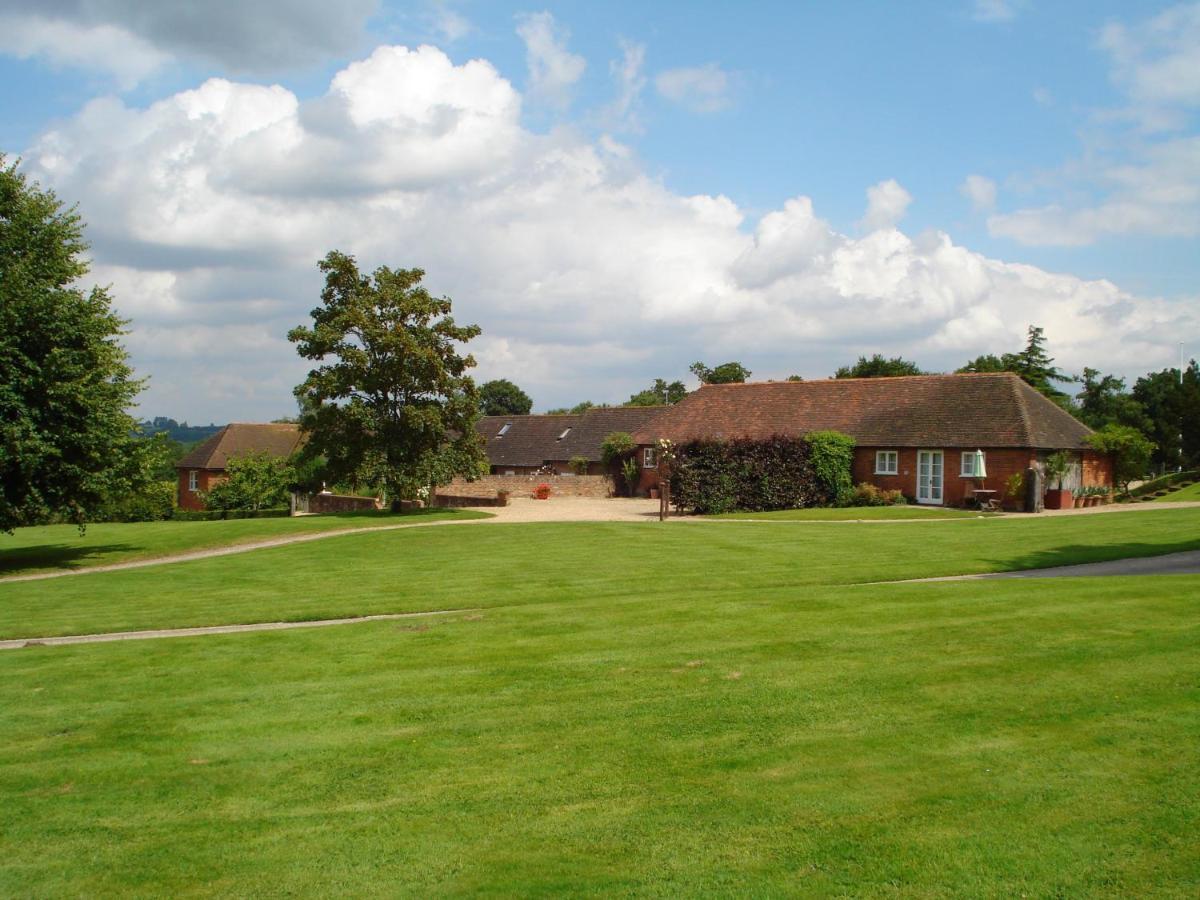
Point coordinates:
pixel 503 431
pixel 887 462
pixel 566 431
pixel 649 458
pixel 970 467
pixel 193 480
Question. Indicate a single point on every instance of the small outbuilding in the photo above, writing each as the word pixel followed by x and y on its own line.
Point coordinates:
pixel 204 467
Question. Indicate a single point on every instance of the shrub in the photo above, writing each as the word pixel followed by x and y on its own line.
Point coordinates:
pixel 154 502
pixel 633 474
pixel 867 494
pixel 211 515
pixel 1130 451
pixel 832 454
pixel 254 480
pixel 616 445
pixel 756 475
pixel 579 465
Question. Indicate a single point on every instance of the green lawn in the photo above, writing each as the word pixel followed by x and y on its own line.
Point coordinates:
pixel 503 565
pixel 854 514
pixel 1190 493
pixel 641 709
pixel 52 547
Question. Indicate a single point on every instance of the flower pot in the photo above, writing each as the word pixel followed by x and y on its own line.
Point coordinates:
pixel 1079 502
pixel 1059 499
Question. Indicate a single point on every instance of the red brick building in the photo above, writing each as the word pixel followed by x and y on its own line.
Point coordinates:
pixel 522 445
pixel 917 434
pixel 204 467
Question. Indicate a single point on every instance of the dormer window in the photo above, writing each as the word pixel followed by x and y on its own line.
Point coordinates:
pixel 503 431
pixel 566 431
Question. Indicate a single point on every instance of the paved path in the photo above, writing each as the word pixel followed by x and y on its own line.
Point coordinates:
pixel 211 629
pixel 1185 563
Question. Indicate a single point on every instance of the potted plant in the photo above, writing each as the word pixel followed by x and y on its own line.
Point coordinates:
pixel 1057 465
pixel 502 497
pixel 541 492
pixel 1014 490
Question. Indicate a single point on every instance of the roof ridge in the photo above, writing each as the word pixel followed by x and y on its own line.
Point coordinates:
pixel 832 380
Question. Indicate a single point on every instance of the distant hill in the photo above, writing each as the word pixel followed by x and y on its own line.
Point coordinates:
pixel 179 431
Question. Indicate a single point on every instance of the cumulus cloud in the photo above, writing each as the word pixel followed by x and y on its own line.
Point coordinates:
pixel 209 209
pixel 553 69
pixel 703 89
pixel 243 37
pixel 980 190
pixel 887 202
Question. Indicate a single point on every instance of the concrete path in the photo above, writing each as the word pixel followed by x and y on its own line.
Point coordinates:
pixel 103 638
pixel 1185 563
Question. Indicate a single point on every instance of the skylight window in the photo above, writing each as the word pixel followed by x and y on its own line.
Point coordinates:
pixel 566 431
pixel 503 431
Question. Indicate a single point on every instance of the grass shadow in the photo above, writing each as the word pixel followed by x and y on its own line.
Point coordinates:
pixel 56 556
pixel 1078 554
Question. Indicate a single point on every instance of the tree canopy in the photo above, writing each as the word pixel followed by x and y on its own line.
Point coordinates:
pixel 67 442
pixel 879 367
pixel 501 397
pixel 659 394
pixel 1171 403
pixel 391 403
pixel 726 373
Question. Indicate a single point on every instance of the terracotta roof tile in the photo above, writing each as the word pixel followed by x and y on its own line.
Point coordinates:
pixel 971 410
pixel 535 440
pixel 242 437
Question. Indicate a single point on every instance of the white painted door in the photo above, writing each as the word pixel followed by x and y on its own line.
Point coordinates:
pixel 930 475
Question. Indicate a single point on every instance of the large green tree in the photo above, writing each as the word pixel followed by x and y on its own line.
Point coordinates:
pixel 659 394
pixel 879 367
pixel 391 403
pixel 726 373
pixel 67 442
pixel 1103 401
pixel 1171 402
pixel 503 398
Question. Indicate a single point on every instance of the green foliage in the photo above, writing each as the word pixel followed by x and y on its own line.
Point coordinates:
pixel 1164 482
pixel 1057 466
pixel 795 378
pixel 989 363
pixel 67 444
pixel 503 398
pixel 1130 449
pixel 832 454
pixel 213 515
pixel 878 367
pixel 1172 407
pixel 579 465
pixel 395 408
pixel 150 502
pixel 659 394
pixel 726 373
pixel 867 494
pixel 178 431
pixel 254 480
pixel 633 474
pixel 723 476
pixel 615 445
pixel 1104 401
pixel 1014 486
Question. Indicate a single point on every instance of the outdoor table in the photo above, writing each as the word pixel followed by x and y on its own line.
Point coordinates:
pixel 982 496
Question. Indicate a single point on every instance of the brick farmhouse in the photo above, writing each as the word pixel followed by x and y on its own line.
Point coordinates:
pixel 918 434
pixel 204 467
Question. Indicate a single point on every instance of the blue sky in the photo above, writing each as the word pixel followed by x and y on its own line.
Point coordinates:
pixel 716 164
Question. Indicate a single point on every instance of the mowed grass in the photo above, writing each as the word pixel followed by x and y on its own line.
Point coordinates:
pixel 1191 493
pixel 500 565
pixel 55 547
pixel 854 514
pixel 752 736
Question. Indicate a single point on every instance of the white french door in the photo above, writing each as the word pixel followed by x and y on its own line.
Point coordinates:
pixel 930 476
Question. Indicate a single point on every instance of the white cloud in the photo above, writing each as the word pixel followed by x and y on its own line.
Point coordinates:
pixel 623 112
pixel 451 25
pixel 703 89
pixel 62 43
pixel 992 11
pixel 887 202
pixel 553 69
pixel 980 190
pixel 243 37
pixel 1158 61
pixel 209 209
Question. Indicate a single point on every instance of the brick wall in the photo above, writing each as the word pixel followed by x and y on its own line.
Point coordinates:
pixel 523 486
pixel 206 480
pixel 957 490
pixel 339 503
pixel 1097 469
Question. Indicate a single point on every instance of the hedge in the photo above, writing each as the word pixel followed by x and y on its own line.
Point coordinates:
pixel 1165 481
pixel 211 515
pixel 755 475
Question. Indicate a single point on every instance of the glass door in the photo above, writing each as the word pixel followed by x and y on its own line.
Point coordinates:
pixel 930 474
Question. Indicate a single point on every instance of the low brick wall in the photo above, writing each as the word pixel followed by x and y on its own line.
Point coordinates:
pixel 339 503
pixel 523 486
pixel 448 500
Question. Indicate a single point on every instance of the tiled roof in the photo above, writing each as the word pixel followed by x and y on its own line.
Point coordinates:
pixel 972 410
pixel 241 437
pixel 534 440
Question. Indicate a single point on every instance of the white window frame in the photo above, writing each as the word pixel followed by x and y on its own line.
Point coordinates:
pixel 883 455
pixel 193 481
pixel 649 458
pixel 962 466
pixel 504 429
